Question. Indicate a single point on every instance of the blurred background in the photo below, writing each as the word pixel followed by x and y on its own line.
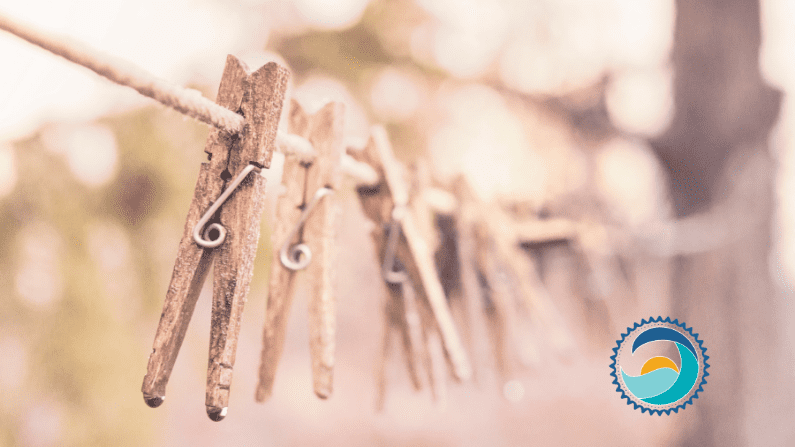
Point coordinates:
pixel 667 123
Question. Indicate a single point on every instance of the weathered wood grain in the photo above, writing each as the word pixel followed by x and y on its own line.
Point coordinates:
pixel 326 135
pixel 192 263
pixel 324 130
pixel 263 96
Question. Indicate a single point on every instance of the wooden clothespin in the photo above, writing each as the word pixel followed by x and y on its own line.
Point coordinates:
pixel 507 268
pixel 523 271
pixel 409 315
pixel 386 204
pixel 304 235
pixel 492 291
pixel 458 270
pixel 454 246
pixel 222 225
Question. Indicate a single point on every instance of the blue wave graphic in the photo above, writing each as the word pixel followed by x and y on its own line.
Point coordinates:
pixel 650 384
pixel 662 333
pixel 688 374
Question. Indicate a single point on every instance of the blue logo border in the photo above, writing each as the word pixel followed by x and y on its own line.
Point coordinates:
pixel 629 399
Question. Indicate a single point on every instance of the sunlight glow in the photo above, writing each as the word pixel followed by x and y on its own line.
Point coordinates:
pixel 485 140
pixel 628 177
pixel 90 150
pixel 641 102
pixel 395 95
pixel 331 14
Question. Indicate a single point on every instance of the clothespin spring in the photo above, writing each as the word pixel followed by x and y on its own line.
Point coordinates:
pixel 298 256
pixel 388 268
pixel 205 239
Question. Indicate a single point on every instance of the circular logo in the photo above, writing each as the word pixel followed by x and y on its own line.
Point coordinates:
pixel 663 385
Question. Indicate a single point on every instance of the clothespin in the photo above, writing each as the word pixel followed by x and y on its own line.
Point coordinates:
pixel 435 210
pixel 303 236
pixel 451 236
pixel 493 290
pixel 458 268
pixel 223 225
pixel 409 316
pixel 502 239
pixel 386 204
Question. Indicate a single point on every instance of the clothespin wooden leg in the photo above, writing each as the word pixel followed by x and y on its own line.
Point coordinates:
pixel 400 312
pixel 424 272
pixel 437 368
pixel 520 267
pixel 263 95
pixel 425 222
pixel 499 311
pixel 536 298
pixel 451 273
pixel 430 350
pixel 383 357
pixel 401 309
pixel 411 329
pixel 192 264
pixel 282 284
pixel 326 135
pixel 473 293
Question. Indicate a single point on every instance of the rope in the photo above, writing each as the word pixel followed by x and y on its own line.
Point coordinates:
pixel 186 101
pixel 297 146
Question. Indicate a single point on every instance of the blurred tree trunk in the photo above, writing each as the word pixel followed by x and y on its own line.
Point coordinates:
pixel 721 174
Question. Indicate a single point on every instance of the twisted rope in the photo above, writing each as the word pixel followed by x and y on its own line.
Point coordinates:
pixel 184 100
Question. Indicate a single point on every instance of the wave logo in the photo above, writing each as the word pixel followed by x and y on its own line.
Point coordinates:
pixel 662 386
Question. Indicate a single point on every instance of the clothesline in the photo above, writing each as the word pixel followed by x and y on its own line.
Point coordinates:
pixel 191 102
pixel 184 100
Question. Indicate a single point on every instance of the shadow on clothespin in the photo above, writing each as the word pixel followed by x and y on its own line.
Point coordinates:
pixel 303 236
pixel 408 266
pixel 223 225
